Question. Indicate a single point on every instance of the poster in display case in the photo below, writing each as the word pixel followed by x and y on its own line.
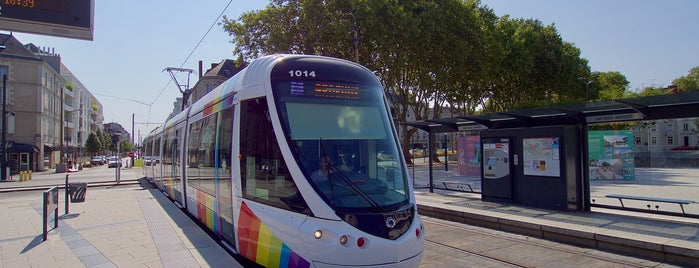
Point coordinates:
pixel 541 156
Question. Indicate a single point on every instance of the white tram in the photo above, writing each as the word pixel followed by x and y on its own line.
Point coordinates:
pixel 293 162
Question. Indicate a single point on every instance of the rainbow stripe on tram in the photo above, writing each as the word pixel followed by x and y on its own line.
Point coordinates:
pixel 259 244
pixel 205 211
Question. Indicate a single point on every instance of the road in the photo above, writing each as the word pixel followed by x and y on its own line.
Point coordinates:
pixel 91 175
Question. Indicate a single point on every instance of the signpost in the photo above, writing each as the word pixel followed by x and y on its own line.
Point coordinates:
pixel 50 204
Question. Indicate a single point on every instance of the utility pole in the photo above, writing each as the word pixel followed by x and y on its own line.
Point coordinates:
pixel 133 155
pixel 62 126
pixel 3 160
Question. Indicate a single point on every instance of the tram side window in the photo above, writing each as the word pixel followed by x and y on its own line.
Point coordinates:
pixel 193 175
pixel 266 178
pixel 206 154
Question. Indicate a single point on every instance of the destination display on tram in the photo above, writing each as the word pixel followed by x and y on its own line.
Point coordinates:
pixel 324 90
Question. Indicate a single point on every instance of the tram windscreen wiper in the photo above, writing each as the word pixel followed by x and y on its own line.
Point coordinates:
pixel 354 187
pixel 345 180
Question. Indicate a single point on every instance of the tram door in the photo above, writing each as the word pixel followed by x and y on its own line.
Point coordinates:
pixel 496 166
pixel 225 186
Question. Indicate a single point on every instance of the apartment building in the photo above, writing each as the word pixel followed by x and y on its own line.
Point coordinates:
pixel 49 111
pixel 664 135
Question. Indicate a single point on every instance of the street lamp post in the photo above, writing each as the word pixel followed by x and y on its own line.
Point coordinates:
pixel 587 84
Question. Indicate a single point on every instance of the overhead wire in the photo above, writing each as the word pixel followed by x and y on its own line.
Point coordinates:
pixel 195 48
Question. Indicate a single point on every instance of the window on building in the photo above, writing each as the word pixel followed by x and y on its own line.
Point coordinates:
pixel 685 127
pixel 637 140
pixel 669 127
pixel 654 140
pixel 670 141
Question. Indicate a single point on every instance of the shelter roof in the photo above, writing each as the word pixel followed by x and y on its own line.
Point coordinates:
pixel 677 105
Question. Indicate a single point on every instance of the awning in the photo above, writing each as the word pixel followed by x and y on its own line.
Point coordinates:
pixel 22 148
pixel 50 148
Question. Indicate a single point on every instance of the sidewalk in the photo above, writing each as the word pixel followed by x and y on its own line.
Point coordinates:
pixel 120 226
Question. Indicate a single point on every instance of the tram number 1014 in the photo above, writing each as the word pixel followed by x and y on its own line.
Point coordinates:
pixel 302 73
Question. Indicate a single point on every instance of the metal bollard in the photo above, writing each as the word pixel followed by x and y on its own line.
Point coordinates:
pixel 30 174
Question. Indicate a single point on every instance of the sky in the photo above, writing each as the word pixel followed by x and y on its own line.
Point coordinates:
pixel 650 42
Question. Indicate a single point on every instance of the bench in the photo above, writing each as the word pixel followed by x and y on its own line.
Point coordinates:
pixel 621 197
pixel 459 188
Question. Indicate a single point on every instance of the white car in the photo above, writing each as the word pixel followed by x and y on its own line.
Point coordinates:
pixel 113 162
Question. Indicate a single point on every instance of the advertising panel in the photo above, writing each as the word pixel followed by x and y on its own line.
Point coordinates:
pixel 611 155
pixel 469 155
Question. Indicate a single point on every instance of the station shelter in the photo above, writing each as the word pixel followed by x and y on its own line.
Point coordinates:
pixel 539 157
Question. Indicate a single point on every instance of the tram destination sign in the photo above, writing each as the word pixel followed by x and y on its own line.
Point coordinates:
pixel 62 18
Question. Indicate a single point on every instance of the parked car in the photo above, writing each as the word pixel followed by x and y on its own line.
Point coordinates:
pixel 113 162
pixel 97 161
pixel 148 160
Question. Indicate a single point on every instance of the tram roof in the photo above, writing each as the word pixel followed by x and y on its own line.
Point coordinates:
pixel 677 105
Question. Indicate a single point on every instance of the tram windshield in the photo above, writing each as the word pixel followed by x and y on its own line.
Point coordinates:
pixel 341 137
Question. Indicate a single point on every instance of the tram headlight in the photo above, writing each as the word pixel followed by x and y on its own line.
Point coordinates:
pixel 317 234
pixel 343 240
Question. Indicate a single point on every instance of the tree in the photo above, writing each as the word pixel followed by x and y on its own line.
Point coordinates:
pixel 92 144
pixel 608 86
pixel 689 82
pixel 125 146
pixel 429 55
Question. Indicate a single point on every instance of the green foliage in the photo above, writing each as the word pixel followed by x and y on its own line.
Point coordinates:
pixel 650 91
pixel 428 54
pixel 93 144
pixel 125 146
pixel 436 55
pixel 608 86
pixel 690 82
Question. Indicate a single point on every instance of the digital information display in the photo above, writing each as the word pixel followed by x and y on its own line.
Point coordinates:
pixel 325 90
pixel 62 18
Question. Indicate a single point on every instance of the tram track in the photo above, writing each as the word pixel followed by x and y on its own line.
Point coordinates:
pixel 502 249
pixel 483 256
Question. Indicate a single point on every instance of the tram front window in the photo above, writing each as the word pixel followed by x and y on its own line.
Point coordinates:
pixel 346 149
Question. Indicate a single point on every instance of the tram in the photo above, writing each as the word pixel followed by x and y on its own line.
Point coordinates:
pixel 293 162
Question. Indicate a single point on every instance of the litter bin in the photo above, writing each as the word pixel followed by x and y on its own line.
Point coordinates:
pixel 77 191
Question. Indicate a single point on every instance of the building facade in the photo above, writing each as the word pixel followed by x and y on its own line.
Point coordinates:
pixel 49 112
pixel 664 135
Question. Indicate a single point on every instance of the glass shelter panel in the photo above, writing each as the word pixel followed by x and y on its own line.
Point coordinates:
pixel 644 167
